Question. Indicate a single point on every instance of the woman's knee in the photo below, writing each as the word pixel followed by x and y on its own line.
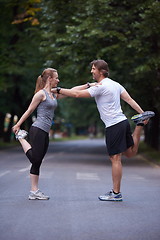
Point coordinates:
pixel 29 154
pixel 35 169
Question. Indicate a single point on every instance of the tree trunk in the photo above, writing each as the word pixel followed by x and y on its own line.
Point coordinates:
pixel 152 132
pixel 2 117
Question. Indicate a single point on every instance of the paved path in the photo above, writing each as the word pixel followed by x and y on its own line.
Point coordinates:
pixel 74 174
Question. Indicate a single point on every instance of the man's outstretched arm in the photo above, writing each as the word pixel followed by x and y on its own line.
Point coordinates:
pixel 75 93
pixel 127 98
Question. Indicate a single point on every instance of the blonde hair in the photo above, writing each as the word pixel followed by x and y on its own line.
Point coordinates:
pixel 42 79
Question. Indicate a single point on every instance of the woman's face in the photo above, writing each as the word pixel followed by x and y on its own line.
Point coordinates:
pixel 55 80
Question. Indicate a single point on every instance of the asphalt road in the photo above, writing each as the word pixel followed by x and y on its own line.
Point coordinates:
pixel 74 174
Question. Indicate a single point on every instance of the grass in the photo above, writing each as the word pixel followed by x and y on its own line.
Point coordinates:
pixel 6 144
pixel 149 153
pixel 73 137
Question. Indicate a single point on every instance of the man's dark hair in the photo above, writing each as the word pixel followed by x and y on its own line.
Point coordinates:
pixel 102 66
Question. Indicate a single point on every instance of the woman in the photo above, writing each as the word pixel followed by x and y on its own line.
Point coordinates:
pixel 36 148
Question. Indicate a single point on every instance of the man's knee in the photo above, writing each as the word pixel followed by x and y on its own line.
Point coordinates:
pixel 116 157
pixel 130 152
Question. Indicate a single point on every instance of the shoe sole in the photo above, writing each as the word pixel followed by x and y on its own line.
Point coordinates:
pixel 36 198
pixel 143 116
pixel 21 137
pixel 111 200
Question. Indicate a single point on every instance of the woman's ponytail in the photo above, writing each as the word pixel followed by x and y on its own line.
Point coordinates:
pixel 39 84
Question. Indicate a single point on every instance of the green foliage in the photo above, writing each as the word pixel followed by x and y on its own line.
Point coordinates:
pixel 19 60
pixel 149 153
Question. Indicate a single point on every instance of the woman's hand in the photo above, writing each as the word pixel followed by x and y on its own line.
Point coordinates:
pixel 15 128
pixel 54 90
pixel 93 84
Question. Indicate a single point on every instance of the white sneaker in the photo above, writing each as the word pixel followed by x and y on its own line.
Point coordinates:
pixel 38 195
pixel 111 196
pixel 21 134
pixel 139 118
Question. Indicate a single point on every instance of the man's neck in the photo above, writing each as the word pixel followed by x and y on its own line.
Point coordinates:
pixel 100 79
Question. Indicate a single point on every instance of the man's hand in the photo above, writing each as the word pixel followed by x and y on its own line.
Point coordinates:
pixel 146 122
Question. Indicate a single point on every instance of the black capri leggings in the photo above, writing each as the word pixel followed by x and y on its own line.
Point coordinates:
pixel 39 141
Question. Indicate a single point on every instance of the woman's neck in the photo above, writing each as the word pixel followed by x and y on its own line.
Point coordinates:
pixel 48 89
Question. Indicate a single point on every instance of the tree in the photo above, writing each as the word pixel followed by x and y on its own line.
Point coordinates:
pixel 72 33
pixel 19 65
pixel 126 35
pixel 146 72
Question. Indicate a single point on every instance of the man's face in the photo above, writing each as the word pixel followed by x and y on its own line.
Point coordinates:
pixel 95 73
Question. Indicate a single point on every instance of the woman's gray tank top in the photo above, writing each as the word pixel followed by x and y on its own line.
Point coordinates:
pixel 45 113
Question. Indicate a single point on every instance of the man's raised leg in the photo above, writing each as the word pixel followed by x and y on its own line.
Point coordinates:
pixel 132 151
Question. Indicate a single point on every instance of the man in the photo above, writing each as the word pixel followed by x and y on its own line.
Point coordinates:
pixel 107 94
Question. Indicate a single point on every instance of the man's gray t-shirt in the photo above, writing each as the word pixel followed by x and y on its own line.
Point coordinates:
pixel 107 97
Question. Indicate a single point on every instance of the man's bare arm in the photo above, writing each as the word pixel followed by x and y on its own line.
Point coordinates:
pixel 127 98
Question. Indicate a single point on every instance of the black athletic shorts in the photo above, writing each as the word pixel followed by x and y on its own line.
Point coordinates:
pixel 119 138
